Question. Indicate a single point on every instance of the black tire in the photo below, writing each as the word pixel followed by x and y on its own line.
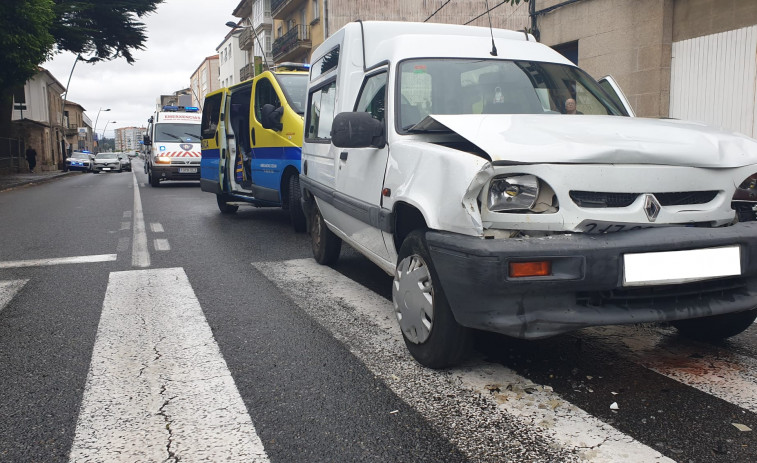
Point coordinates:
pixel 296 214
pixel 154 181
pixel 325 244
pixel 716 327
pixel 224 206
pixel 435 339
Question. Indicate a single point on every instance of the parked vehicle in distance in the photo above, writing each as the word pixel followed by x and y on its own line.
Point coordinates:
pixel 507 191
pixel 172 145
pixel 125 161
pixel 106 162
pixel 79 161
pixel 252 142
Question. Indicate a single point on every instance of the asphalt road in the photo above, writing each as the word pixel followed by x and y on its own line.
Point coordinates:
pixel 233 344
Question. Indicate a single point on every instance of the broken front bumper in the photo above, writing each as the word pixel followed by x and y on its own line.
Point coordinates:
pixel 586 286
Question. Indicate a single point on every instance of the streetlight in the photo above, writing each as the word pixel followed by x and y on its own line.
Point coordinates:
pixel 96 119
pixel 106 127
pixel 234 25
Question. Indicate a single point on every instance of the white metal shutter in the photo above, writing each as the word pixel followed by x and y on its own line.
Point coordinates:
pixel 713 80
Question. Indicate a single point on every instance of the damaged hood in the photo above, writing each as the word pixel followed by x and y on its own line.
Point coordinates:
pixel 553 138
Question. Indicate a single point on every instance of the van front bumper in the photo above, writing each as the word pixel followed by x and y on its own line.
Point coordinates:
pixel 171 172
pixel 586 286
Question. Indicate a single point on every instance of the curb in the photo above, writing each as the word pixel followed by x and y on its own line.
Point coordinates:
pixel 11 184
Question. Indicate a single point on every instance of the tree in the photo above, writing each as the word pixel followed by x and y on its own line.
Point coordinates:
pixel 32 30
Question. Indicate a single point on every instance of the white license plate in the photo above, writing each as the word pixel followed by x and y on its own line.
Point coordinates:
pixel 672 267
pixel 187 170
pixel 106 168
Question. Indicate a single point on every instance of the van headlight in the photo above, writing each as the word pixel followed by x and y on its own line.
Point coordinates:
pixel 512 193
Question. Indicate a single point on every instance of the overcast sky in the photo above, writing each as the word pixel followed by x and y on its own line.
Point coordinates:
pixel 180 34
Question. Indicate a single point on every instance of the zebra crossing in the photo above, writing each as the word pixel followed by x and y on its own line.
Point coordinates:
pixel 158 380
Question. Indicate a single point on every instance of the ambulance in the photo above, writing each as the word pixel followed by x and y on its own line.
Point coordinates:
pixel 172 144
pixel 252 141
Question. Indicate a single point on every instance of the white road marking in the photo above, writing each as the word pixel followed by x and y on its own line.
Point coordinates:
pixel 365 322
pixel 58 261
pixel 718 372
pixel 8 289
pixel 161 244
pixel 156 227
pixel 125 225
pixel 127 214
pixel 140 254
pixel 158 388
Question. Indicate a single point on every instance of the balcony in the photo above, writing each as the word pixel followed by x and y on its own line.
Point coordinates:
pixel 245 39
pixel 247 72
pixel 294 42
pixel 280 9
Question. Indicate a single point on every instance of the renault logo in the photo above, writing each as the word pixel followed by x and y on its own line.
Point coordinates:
pixel 651 207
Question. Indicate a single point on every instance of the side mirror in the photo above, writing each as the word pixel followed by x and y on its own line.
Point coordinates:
pixel 146 140
pixel 272 117
pixel 357 130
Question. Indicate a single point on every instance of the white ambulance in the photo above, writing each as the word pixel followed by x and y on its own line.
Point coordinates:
pixel 172 144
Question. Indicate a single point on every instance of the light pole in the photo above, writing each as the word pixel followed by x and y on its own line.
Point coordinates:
pixel 106 127
pixel 96 119
pixel 63 110
pixel 234 25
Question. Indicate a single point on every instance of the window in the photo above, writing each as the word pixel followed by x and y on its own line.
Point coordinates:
pixel 321 112
pixel 279 31
pixel 265 94
pixel 211 114
pixel 328 62
pixel 316 12
pixel 373 96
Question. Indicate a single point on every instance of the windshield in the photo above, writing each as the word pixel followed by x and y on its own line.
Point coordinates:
pixel 79 155
pixel 295 90
pixel 107 156
pixel 177 133
pixel 468 86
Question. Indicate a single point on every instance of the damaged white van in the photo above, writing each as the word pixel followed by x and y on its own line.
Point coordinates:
pixel 506 190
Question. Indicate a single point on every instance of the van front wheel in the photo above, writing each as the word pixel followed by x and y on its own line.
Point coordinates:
pixel 224 206
pixel 716 327
pixel 431 333
pixel 296 215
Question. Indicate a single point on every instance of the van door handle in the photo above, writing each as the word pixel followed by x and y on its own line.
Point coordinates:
pixel 343 155
pixel 252 135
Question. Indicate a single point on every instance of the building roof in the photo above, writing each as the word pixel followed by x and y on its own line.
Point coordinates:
pixel 208 58
pixel 52 77
pixel 71 103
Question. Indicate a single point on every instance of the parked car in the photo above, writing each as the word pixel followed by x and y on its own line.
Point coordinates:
pixel 466 174
pixel 106 162
pixel 125 161
pixel 79 160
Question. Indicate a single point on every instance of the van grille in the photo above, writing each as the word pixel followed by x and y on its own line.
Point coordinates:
pixel 600 200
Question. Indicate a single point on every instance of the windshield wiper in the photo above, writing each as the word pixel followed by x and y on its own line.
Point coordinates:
pixel 172 135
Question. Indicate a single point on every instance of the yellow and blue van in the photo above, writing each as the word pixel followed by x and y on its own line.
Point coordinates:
pixel 252 142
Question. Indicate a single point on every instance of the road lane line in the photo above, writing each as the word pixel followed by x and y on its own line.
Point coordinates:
pixel 8 289
pixel 140 254
pixel 721 373
pixel 509 422
pixel 158 388
pixel 58 261
pixel 161 244
pixel 156 227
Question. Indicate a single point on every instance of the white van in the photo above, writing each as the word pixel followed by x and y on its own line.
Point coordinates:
pixel 452 157
pixel 172 145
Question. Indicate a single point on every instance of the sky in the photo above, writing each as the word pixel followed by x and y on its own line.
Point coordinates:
pixel 180 34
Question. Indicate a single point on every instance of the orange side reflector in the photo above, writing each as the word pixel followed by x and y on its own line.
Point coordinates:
pixel 530 269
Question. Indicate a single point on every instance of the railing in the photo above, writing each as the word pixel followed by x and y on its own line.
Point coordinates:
pixel 245 39
pixel 298 35
pixel 11 155
pixel 247 72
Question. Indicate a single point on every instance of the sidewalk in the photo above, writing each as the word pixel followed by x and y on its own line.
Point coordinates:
pixel 9 181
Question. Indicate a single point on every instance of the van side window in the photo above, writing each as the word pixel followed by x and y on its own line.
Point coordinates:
pixel 265 94
pixel 372 97
pixel 211 115
pixel 321 112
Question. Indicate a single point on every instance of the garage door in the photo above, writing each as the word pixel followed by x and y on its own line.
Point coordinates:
pixel 713 80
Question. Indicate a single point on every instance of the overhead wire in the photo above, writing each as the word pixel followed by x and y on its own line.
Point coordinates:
pixel 437 10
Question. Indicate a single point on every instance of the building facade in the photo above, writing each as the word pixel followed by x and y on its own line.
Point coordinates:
pixel 685 59
pixel 230 59
pixel 204 80
pixel 78 128
pixel 38 118
pixel 128 139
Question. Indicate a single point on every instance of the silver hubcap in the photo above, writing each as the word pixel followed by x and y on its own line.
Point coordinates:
pixel 413 296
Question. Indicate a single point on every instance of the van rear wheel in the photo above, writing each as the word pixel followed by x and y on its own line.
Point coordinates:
pixel 296 214
pixel 326 245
